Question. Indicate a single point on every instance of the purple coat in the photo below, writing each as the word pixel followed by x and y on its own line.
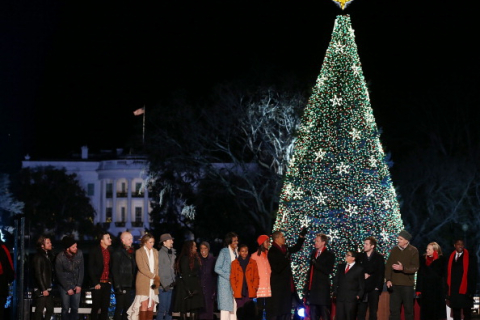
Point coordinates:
pixel 208 278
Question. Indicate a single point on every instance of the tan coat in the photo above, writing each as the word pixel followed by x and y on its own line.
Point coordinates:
pixel 142 284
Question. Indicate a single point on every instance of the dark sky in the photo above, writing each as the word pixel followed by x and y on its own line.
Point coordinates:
pixel 72 73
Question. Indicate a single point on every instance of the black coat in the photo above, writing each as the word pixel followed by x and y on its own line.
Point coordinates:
pixel 95 265
pixel 123 269
pixel 281 279
pixel 348 286
pixel 458 300
pixel 322 270
pixel 375 267
pixel 43 269
pixel 431 284
pixel 208 279
pixel 188 290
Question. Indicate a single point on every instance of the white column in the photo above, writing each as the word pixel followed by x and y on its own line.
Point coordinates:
pixel 146 216
pixel 103 204
pixel 129 199
pixel 114 202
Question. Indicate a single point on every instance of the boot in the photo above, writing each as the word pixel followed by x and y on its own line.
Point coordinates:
pixel 183 316
pixel 149 315
pixel 142 315
pixel 193 315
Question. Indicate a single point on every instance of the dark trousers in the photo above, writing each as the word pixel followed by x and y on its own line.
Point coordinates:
pixel 457 312
pixel 318 312
pixel 101 301
pixel 124 301
pixel 262 306
pixel 3 301
pixel 346 310
pixel 40 304
pixel 401 295
pixel 371 304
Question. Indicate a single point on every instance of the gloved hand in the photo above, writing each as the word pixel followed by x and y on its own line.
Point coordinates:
pixel 303 232
pixel 156 282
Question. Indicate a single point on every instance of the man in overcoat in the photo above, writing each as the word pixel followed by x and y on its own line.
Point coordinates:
pixel 124 270
pixel 349 287
pixel 318 284
pixel 166 262
pixel 373 264
pixel 281 279
pixel 461 281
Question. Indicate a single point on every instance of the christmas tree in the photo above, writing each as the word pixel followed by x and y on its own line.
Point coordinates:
pixel 338 182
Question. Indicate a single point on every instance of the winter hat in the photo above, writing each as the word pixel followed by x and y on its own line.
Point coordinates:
pixel 67 242
pixel 261 239
pixel 404 234
pixel 165 237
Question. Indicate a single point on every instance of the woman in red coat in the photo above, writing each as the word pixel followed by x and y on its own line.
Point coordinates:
pixel 244 277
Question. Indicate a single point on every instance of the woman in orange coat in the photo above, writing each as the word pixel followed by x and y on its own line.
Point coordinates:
pixel 244 277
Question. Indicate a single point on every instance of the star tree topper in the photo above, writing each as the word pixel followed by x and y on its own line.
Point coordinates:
pixel 342 3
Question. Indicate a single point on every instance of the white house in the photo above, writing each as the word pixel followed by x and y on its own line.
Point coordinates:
pixel 115 186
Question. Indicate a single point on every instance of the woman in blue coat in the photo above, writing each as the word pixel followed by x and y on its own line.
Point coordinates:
pixel 226 302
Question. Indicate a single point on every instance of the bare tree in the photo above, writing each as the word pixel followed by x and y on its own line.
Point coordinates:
pixel 242 142
pixel 439 182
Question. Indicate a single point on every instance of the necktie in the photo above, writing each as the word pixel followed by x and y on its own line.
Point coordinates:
pixel 348 268
pixel 235 252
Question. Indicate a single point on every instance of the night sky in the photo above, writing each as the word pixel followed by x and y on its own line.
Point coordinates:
pixel 72 73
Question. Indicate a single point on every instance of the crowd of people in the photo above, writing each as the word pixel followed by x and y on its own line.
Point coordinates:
pixel 148 281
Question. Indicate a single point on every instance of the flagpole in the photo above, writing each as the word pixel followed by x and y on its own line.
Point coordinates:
pixel 143 135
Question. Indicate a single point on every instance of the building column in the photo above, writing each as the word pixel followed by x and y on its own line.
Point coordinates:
pixel 114 202
pixel 146 215
pixel 103 200
pixel 129 199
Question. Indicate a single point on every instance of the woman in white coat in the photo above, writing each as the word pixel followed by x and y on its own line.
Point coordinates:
pixel 226 302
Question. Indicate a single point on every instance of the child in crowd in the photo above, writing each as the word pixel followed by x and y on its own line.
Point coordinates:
pixel 244 277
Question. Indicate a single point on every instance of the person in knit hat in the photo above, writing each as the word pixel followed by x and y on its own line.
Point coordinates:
pixel 69 269
pixel 402 264
pixel 264 291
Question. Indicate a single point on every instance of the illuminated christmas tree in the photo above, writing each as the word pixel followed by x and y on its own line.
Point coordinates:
pixel 338 182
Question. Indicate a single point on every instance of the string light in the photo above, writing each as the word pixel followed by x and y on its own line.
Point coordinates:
pixel 338 180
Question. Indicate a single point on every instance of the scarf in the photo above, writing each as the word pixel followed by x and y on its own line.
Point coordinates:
pixel 463 284
pixel 429 260
pixel 7 253
pixel 244 264
pixel 311 268
pixel 151 266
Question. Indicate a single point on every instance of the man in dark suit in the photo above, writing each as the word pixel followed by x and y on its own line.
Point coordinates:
pixel 318 286
pixel 349 287
pixel 373 265
pixel 461 281
pixel 281 279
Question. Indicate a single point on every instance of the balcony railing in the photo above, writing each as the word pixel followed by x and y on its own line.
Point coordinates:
pixel 120 224
pixel 137 224
pixel 122 194
pixel 109 194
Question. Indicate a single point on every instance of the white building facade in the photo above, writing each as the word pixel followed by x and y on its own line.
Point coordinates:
pixel 116 189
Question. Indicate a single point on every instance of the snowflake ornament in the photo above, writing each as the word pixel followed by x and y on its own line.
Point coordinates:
pixel 342 168
pixel 336 101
